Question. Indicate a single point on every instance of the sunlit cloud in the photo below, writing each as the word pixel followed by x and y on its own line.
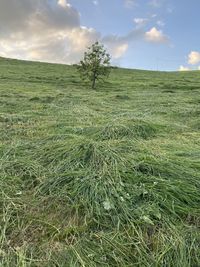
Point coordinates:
pixel 182 68
pixel 156 36
pixel 194 58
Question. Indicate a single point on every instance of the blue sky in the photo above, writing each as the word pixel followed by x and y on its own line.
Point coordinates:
pixel 179 20
pixel 143 34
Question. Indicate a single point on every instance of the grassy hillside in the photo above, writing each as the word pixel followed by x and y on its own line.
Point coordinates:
pixel 98 178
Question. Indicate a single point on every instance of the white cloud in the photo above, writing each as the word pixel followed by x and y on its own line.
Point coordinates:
pixel 118 45
pixel 50 31
pixel 182 68
pixel 156 36
pixel 162 4
pixel 194 58
pixel 35 16
pixel 119 50
pixel 140 21
pixel 130 3
pixel 199 68
pixel 156 3
pixel 160 23
pixel 38 30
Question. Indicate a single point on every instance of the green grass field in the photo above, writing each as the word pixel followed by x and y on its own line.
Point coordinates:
pixel 102 178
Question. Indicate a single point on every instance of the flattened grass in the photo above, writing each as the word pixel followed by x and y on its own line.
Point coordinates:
pixel 98 178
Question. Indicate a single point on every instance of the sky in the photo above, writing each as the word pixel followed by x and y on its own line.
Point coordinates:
pixel 139 34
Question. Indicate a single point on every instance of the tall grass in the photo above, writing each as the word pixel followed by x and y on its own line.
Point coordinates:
pixel 98 178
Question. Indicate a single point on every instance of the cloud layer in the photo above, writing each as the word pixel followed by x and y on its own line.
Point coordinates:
pixel 51 31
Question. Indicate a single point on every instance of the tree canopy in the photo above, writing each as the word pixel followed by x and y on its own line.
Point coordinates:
pixel 95 64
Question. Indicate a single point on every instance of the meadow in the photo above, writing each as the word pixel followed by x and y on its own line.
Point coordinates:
pixel 98 178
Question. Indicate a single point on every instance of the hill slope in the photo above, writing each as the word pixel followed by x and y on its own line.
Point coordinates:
pixel 98 178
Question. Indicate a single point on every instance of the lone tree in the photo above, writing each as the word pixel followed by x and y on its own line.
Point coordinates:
pixel 95 64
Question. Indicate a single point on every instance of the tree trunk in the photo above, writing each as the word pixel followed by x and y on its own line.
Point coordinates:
pixel 93 82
